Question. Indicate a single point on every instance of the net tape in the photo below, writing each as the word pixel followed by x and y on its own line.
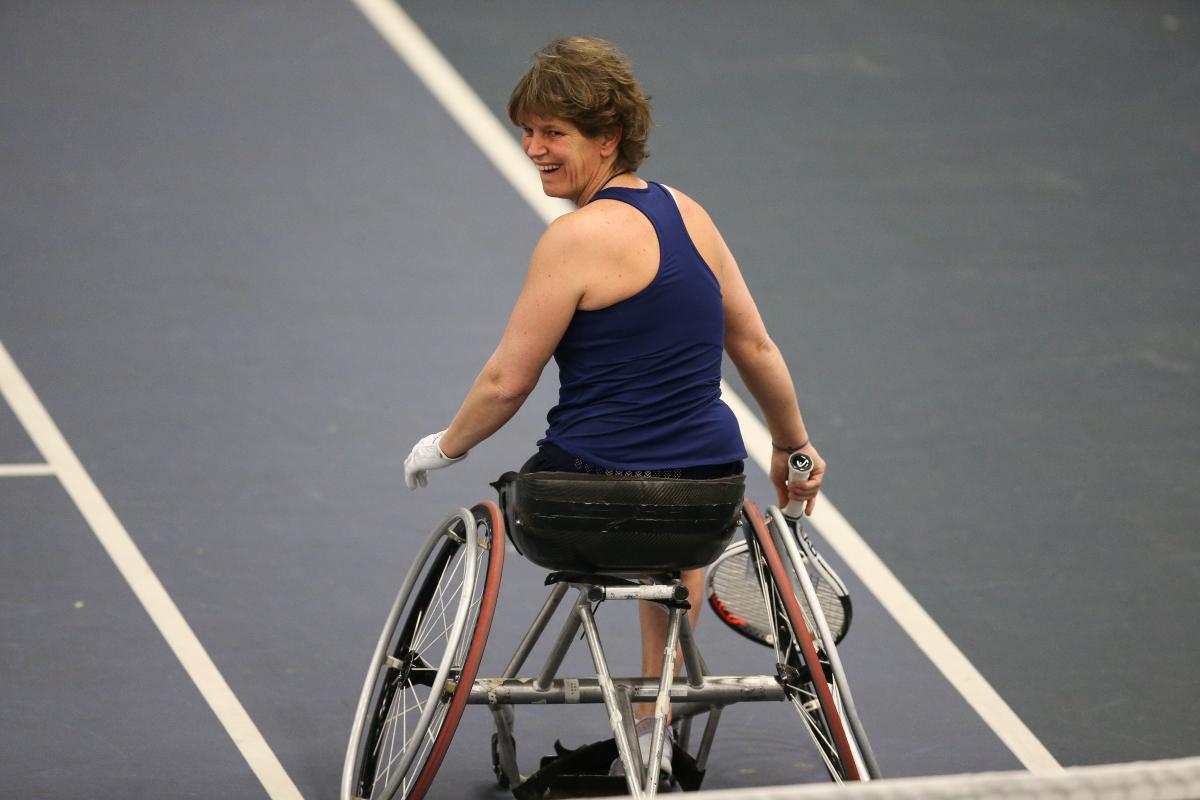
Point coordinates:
pixel 1175 779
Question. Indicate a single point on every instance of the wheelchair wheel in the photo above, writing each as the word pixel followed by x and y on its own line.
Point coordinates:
pixel 427 658
pixel 802 560
pixel 804 675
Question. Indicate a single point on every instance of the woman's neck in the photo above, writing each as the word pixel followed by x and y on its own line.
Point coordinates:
pixel 604 174
pixel 614 179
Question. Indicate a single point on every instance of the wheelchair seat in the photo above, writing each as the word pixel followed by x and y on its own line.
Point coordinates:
pixel 591 523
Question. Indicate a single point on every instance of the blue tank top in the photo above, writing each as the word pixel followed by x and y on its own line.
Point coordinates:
pixel 640 380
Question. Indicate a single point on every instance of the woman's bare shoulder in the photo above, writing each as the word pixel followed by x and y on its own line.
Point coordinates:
pixel 596 228
pixel 703 230
pixel 691 208
pixel 573 243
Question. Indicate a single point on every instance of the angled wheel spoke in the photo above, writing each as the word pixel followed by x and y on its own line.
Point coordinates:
pixel 450 585
pixel 431 633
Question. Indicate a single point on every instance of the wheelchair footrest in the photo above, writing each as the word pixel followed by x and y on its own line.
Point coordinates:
pixel 583 772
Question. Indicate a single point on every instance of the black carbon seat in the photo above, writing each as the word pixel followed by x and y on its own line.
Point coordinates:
pixel 589 523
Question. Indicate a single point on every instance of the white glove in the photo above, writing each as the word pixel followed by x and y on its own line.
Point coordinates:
pixel 426 455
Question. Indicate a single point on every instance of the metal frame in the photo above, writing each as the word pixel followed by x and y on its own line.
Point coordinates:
pixel 700 692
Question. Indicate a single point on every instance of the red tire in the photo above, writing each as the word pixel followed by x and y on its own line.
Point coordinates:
pixel 483 626
pixel 799 655
pixel 427 660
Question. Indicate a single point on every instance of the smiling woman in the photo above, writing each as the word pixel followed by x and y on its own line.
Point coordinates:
pixel 637 297
pixel 572 165
pixel 588 82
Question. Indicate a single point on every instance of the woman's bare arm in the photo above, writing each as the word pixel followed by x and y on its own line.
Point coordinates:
pixel 553 287
pixel 765 373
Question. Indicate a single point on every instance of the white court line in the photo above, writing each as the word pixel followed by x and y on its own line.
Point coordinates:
pixel 24 470
pixel 444 82
pixel 142 580
pixel 904 608
pixel 461 102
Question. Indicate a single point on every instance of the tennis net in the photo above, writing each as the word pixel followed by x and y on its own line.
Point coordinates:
pixel 1175 779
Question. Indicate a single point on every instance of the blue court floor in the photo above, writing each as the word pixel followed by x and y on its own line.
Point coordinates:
pixel 247 258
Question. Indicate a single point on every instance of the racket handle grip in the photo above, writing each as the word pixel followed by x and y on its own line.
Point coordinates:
pixel 799 468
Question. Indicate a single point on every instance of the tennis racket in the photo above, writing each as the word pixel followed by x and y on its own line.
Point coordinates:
pixel 735 595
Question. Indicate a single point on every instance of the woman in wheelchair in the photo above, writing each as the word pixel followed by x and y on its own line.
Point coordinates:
pixel 636 296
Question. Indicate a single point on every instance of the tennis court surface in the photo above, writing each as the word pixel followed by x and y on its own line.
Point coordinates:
pixel 248 254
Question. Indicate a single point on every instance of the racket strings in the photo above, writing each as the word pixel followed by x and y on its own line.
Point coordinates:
pixel 736 595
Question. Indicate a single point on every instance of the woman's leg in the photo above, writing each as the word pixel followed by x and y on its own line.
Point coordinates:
pixel 654 632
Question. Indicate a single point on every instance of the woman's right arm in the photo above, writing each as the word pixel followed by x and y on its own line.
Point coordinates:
pixel 552 290
pixel 540 317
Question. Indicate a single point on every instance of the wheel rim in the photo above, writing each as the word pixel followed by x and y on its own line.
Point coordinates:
pixel 405 692
pixel 403 739
pixel 488 580
pixel 798 687
pixel 794 545
pixel 812 695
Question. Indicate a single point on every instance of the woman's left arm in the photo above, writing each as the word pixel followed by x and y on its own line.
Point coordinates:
pixel 552 290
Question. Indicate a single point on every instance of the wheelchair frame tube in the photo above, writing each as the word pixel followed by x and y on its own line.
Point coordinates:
pixel 718 690
pixel 628 722
pixel 536 629
pixel 563 643
pixel 706 738
pixel 662 702
pixel 692 661
pixel 612 700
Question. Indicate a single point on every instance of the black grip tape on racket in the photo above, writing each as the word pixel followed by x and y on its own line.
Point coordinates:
pixel 799 469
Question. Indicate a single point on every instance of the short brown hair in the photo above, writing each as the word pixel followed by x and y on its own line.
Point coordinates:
pixel 588 82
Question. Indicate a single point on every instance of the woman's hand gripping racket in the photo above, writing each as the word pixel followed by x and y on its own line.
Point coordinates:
pixel 736 597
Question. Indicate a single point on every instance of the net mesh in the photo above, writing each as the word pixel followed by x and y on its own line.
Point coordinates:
pixel 1177 779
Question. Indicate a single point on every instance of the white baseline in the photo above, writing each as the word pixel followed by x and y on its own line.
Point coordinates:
pixel 25 470
pixel 482 127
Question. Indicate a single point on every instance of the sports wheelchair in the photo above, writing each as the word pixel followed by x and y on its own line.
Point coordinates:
pixel 607 538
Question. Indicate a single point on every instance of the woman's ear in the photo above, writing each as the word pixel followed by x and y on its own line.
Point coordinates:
pixel 610 140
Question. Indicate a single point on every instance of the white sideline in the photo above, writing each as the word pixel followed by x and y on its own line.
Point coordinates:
pixel 904 608
pixel 482 127
pixel 61 461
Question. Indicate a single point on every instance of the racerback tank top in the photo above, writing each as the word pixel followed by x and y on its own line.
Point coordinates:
pixel 640 380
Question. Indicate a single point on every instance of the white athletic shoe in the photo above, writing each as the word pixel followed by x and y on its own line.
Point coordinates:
pixel 645 730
